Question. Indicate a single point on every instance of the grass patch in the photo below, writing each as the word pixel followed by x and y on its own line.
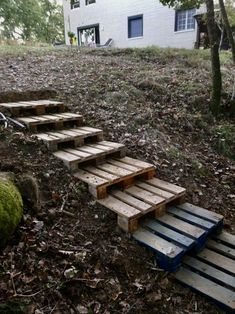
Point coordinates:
pixel 18 50
pixel 224 140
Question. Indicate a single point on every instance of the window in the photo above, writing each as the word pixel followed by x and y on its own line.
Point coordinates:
pixel 184 20
pixel 75 4
pixel 135 26
pixel 90 2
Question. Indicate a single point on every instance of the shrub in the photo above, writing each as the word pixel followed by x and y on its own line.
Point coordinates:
pixel 11 209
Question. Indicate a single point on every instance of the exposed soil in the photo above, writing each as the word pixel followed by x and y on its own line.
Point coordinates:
pixel 76 260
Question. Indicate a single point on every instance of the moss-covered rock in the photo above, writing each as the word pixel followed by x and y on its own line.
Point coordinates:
pixel 11 208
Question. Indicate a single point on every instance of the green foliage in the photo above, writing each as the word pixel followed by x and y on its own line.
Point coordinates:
pixel 183 4
pixel 71 35
pixel 31 20
pixel 11 209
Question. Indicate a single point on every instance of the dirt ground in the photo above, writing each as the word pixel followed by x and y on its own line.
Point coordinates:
pixel 77 260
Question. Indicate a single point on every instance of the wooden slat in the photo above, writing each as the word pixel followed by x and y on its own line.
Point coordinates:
pixel 137 163
pixel 122 165
pixel 181 226
pixel 100 147
pixel 168 233
pixel 120 172
pixel 218 260
pixel 169 187
pixel 201 212
pixel 65 156
pixel 27 120
pixel 58 135
pixel 122 196
pixel 190 218
pixel 112 144
pixel 221 248
pixel 119 207
pixel 101 173
pixel 156 243
pixel 89 129
pixel 78 153
pixel 91 150
pixel 207 287
pixel 226 238
pixel 210 271
pixel 144 195
pixel 46 137
pixel 153 189
pixel 90 178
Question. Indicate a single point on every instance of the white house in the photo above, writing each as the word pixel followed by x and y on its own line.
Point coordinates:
pixel 130 23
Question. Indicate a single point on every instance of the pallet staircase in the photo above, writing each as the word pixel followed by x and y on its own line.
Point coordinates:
pixel 186 239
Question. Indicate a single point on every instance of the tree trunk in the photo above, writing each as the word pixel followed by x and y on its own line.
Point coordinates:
pixel 232 44
pixel 227 27
pixel 215 60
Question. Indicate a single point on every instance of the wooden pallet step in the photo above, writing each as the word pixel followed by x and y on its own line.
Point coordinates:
pixel 214 269
pixel 185 216
pixel 201 212
pixel 221 248
pixel 226 238
pixel 37 107
pixel 209 271
pixel 118 200
pixel 114 173
pixel 75 136
pixel 218 260
pixel 138 195
pixel 223 296
pixel 169 234
pixel 168 254
pixel 73 157
pixel 57 121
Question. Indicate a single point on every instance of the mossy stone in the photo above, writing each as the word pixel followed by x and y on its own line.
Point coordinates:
pixel 11 208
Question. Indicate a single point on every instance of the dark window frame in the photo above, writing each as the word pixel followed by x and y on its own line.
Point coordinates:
pixel 76 4
pixel 87 2
pixel 97 33
pixel 132 18
pixel 186 20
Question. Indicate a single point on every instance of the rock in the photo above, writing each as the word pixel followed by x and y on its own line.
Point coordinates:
pixel 28 186
pixel 11 207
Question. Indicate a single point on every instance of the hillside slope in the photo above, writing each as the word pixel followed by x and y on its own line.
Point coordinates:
pixel 155 102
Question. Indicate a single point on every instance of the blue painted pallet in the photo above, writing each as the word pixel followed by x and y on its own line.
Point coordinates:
pixel 212 271
pixel 183 229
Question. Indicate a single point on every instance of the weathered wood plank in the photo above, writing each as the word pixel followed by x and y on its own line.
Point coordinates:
pixel 156 243
pixel 207 287
pixel 190 218
pixel 168 233
pixel 221 248
pixel 122 165
pixel 137 163
pixel 218 260
pixel 153 189
pixel 169 187
pixel 122 196
pixel 226 238
pixel 90 178
pixel 202 212
pixel 119 207
pixel 66 157
pixel 210 271
pixel 181 226
pixel 101 173
pixel 120 172
pixel 145 196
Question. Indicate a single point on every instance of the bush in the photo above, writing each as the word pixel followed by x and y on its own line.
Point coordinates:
pixel 11 209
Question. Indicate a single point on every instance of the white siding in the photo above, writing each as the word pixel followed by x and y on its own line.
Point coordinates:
pixel 112 16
